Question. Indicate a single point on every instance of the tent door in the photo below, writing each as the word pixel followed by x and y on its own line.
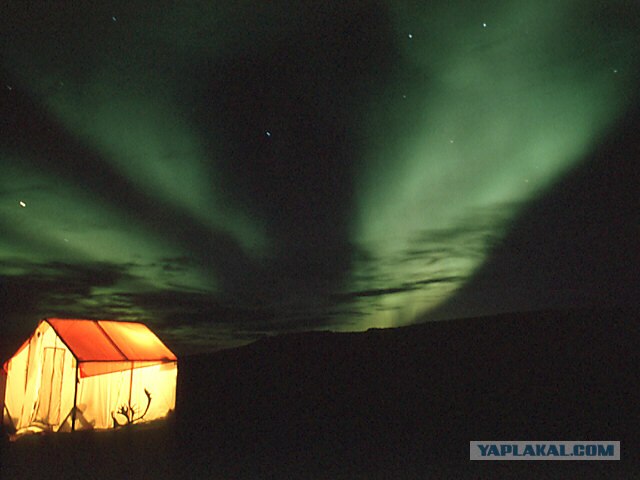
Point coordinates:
pixel 50 386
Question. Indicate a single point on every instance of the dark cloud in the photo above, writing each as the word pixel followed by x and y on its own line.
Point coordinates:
pixel 480 230
pixel 52 289
pixel 406 287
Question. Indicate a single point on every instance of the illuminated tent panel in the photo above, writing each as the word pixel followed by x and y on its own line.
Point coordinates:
pixel 86 340
pixel 89 369
pixel 136 341
pixel 88 374
pixel 3 383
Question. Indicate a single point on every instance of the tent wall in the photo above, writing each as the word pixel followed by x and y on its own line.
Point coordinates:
pixel 101 396
pixel 3 384
pixel 88 369
pixel 98 396
pixel 160 381
pixel 40 382
pixel 15 388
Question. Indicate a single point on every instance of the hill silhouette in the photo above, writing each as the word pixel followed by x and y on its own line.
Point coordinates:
pixel 392 403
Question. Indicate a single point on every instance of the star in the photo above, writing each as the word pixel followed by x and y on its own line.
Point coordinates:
pixel 267 133
pixel 410 35
pixel 22 204
pixel 484 25
pixel 114 19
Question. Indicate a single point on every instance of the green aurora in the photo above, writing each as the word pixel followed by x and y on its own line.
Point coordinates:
pixel 516 95
pixel 477 111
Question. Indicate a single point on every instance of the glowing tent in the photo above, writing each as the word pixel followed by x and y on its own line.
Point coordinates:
pixel 88 374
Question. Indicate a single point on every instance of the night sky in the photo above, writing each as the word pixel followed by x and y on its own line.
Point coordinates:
pixel 221 170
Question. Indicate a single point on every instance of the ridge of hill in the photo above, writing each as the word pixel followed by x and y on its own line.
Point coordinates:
pixel 416 395
pixel 385 403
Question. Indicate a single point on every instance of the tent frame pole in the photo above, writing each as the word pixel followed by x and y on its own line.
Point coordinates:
pixel 75 401
pixel 131 387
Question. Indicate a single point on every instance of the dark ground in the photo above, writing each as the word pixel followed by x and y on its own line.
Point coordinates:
pixel 398 403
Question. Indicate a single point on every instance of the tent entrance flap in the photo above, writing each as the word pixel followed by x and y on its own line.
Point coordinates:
pixel 50 391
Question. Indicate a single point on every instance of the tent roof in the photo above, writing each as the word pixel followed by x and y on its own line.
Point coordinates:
pixel 107 340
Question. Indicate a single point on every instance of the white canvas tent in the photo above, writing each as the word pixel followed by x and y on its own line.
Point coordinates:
pixel 88 374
